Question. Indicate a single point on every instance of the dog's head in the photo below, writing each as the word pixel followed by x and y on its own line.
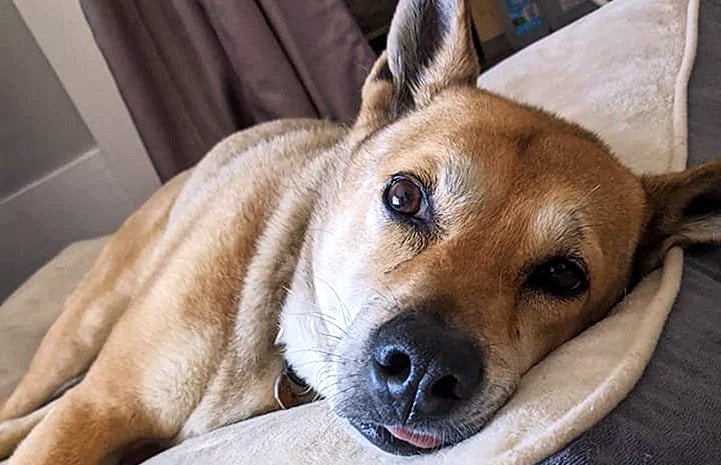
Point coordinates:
pixel 470 236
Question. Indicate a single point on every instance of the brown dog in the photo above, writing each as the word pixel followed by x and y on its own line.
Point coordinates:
pixel 410 268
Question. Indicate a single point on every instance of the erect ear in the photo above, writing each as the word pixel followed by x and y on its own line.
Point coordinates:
pixel 683 209
pixel 430 47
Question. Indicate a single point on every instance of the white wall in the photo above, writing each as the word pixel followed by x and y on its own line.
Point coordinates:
pixel 40 130
pixel 71 163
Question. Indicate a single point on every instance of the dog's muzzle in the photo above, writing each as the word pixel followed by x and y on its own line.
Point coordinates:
pixel 418 375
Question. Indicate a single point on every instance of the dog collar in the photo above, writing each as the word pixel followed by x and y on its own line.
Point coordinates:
pixel 290 389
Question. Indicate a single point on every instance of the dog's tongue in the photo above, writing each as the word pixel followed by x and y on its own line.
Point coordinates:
pixel 420 440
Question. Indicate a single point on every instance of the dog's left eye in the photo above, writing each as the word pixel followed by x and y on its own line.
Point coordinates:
pixel 560 277
pixel 405 196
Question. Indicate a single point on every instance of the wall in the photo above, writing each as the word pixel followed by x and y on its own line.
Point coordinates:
pixel 40 130
pixel 61 178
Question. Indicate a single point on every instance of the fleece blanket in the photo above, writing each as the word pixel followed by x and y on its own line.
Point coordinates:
pixel 27 314
pixel 621 72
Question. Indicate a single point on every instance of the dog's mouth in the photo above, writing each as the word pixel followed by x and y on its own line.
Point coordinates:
pixel 401 440
pixel 415 438
pixel 416 387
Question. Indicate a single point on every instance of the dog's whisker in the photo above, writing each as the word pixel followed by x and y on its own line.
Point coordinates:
pixel 331 336
pixel 586 198
pixel 324 318
pixel 317 351
pixel 316 362
pixel 343 307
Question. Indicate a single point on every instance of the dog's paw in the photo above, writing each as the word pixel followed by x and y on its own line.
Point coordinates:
pixel 14 430
pixel 11 433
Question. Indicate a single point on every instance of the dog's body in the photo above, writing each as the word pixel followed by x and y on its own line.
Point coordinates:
pixel 410 268
pixel 235 276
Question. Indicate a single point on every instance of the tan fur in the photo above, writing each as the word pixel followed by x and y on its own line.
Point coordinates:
pixel 283 225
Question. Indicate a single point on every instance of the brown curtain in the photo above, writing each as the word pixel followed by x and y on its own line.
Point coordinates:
pixel 193 71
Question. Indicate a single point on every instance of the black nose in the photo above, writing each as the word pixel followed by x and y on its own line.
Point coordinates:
pixel 422 368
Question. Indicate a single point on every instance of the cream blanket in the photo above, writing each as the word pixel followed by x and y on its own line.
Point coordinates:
pixel 621 72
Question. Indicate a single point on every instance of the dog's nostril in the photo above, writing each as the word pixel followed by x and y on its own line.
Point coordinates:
pixel 396 364
pixel 446 388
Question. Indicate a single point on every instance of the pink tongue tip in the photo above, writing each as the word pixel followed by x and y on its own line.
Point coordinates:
pixel 420 440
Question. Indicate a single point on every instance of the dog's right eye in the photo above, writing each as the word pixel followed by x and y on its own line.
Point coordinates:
pixel 406 197
pixel 560 276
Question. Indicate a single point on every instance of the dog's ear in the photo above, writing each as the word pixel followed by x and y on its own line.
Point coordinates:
pixel 683 209
pixel 430 47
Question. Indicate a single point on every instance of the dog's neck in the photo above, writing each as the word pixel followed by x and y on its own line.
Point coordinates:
pixel 304 329
pixel 302 324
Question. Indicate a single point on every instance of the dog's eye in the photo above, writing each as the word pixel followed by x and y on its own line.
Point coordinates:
pixel 560 277
pixel 404 195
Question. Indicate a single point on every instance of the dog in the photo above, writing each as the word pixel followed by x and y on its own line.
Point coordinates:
pixel 409 268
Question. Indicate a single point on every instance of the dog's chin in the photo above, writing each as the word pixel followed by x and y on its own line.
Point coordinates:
pixel 418 438
pixel 382 428
pixel 401 441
